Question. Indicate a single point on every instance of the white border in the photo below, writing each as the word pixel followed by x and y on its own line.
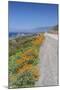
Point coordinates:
pixel 41 1
pixel 4 42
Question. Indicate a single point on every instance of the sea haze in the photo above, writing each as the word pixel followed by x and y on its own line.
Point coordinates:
pixel 34 30
pixel 16 32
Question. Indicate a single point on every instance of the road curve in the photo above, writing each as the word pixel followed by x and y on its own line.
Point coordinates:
pixel 48 61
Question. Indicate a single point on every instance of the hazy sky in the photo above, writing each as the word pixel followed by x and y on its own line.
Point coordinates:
pixel 24 16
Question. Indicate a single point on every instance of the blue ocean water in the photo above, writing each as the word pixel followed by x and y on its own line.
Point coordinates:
pixel 12 34
pixel 29 32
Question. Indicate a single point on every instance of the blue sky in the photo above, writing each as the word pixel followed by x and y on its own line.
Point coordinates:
pixel 27 16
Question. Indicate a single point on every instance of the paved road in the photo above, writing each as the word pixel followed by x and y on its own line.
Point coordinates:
pixel 48 62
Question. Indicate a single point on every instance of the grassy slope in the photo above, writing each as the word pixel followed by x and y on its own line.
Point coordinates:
pixel 23 61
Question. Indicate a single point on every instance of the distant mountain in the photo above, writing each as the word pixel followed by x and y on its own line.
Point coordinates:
pixel 54 29
pixel 45 29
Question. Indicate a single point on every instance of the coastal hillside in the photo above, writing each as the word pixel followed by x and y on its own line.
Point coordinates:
pixel 54 30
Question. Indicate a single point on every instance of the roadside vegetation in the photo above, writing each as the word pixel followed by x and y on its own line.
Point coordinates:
pixel 24 60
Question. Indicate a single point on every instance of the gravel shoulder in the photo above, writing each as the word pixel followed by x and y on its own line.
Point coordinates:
pixel 48 62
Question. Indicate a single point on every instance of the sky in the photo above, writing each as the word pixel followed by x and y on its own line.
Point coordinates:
pixel 27 16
